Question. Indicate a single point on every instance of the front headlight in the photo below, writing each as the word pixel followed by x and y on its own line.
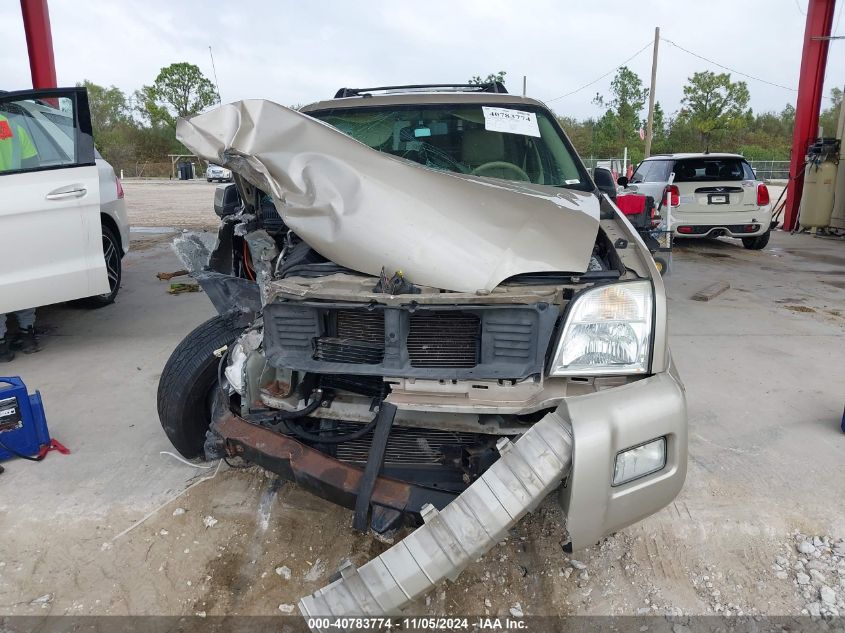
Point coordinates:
pixel 608 331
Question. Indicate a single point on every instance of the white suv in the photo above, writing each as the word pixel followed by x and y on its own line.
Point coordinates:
pixel 712 195
pixel 62 213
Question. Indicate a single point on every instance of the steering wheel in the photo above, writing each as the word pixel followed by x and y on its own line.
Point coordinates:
pixel 501 164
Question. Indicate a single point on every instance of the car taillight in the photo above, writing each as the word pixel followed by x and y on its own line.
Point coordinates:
pixel 762 195
pixel 119 188
pixel 672 195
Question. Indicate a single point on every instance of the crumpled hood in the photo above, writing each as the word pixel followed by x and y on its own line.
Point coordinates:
pixel 365 210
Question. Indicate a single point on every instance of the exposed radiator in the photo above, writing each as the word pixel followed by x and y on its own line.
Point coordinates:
pixel 348 350
pixel 435 339
pixel 442 342
pixel 405 445
pixel 359 340
pixel 444 339
pixel 364 326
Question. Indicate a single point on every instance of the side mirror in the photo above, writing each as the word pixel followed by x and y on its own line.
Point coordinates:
pixel 622 181
pixel 604 181
pixel 226 200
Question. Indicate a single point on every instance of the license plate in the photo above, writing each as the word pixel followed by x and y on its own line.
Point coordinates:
pixel 718 199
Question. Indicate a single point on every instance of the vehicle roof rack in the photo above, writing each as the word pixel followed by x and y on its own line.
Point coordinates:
pixel 493 86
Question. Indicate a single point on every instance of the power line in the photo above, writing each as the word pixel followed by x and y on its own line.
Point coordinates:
pixel 798 6
pixel 727 67
pixel 595 81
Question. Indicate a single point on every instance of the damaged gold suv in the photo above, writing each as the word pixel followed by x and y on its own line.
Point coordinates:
pixel 430 314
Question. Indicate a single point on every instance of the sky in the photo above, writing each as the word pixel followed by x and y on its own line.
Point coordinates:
pixel 299 52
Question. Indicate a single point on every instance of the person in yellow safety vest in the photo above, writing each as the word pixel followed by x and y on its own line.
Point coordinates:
pixel 17 152
pixel 16 148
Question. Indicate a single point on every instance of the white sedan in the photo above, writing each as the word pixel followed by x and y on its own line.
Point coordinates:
pixel 216 172
pixel 62 213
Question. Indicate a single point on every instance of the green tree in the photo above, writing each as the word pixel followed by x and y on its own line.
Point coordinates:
pixel 112 122
pixel 713 103
pixel 179 90
pixel 623 118
pixel 580 133
pixel 829 117
pixel 108 106
pixel 489 79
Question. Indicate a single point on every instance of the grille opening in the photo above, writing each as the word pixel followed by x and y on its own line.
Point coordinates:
pixel 359 339
pixel 346 350
pixel 360 325
pixel 444 340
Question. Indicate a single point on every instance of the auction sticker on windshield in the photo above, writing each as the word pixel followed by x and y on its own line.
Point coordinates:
pixel 510 121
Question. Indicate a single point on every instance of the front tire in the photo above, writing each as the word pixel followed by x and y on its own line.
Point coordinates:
pixel 114 269
pixel 757 243
pixel 187 384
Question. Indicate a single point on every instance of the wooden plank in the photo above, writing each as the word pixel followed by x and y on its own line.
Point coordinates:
pixel 711 292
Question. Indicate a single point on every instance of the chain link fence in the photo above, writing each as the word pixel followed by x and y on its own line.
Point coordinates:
pixel 770 169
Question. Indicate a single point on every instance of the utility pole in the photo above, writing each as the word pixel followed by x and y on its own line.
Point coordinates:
pixel 649 131
pixel 524 85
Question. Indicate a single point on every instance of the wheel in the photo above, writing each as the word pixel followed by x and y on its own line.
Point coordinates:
pixel 208 179
pixel 187 384
pixel 113 256
pixel 756 243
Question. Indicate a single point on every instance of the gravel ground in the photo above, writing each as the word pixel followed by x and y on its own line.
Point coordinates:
pixel 757 530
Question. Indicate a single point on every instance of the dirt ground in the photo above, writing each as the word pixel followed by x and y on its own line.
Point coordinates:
pixel 118 528
pixel 180 204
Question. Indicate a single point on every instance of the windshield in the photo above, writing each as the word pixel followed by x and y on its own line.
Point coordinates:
pixel 521 144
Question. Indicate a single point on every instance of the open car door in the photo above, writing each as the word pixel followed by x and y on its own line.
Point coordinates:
pixel 50 234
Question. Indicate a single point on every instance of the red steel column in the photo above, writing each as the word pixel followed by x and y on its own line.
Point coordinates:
pixel 810 85
pixel 39 42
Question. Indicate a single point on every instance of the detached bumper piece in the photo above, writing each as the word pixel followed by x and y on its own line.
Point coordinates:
pixel 527 471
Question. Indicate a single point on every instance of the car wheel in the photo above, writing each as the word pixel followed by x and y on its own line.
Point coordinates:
pixel 208 179
pixel 188 384
pixel 756 243
pixel 113 257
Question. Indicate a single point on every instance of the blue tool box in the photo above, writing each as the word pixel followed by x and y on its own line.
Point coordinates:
pixel 23 426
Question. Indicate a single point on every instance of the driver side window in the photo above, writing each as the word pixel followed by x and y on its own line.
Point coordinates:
pixel 37 134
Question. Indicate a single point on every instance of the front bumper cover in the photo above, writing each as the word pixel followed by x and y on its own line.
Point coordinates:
pixel 606 423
